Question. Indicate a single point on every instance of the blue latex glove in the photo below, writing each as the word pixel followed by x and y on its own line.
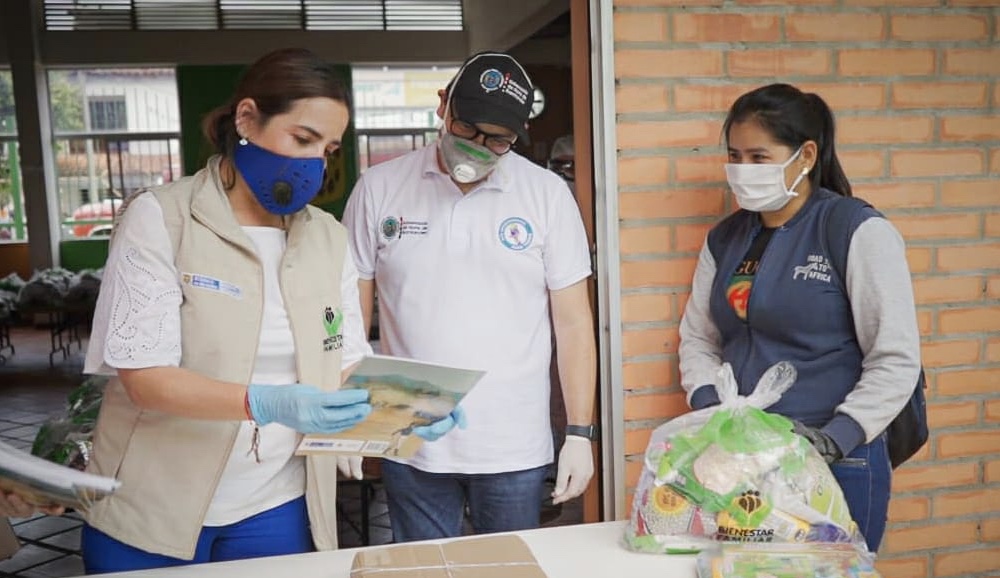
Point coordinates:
pixel 442 426
pixel 306 408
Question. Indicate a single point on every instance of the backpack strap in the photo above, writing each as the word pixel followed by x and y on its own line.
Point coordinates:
pixel 838 233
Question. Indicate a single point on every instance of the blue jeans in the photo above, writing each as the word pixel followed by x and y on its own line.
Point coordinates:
pixel 278 531
pixel 425 505
pixel 865 476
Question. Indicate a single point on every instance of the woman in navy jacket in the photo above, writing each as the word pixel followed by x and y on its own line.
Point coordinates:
pixel 767 289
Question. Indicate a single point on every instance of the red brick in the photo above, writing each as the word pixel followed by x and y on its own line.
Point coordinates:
pixel 770 63
pixel 633 469
pixel 657 273
pixel 990 530
pixel 668 133
pixel 958 258
pixel 939 94
pixel 642 98
pixel 991 472
pixel 642 170
pixel 932 536
pixel 925 322
pixel 970 128
pixel 913 567
pixel 969 320
pixel 672 203
pixel 690 237
pixel 655 406
pixel 640 27
pixel 892 3
pixel 827 27
pixel 950 353
pixel 788 2
pixel 907 195
pixel 970 193
pixel 919 259
pixel 973 443
pixel 863 164
pixel 993 410
pixel 950 289
pixel 993 288
pixel 953 504
pixel 992 225
pixel 634 240
pixel 707 98
pixel 667 63
pixel 939 27
pixel 876 129
pixel 941 226
pixel 952 414
pixel 714 27
pixel 649 341
pixel 995 161
pixel 937 162
pixel 909 509
pixel 700 169
pixel 967 562
pixel 636 441
pixel 668 3
pixel 909 478
pixel 639 375
pixel 996 90
pixel 848 95
pixel 993 350
pixel 972 61
pixel 639 308
pixel 968 382
pixel 886 62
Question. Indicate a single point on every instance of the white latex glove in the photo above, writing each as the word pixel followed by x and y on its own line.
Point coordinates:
pixel 576 467
pixel 350 466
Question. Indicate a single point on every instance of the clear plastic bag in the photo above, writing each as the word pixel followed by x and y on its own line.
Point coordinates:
pixel 735 473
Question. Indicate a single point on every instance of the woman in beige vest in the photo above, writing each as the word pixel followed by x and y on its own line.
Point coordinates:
pixel 228 316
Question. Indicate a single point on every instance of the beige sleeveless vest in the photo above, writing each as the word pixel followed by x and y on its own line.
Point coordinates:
pixel 169 466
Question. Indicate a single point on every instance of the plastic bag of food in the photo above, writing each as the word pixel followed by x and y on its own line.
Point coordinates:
pixel 827 560
pixel 67 439
pixel 735 473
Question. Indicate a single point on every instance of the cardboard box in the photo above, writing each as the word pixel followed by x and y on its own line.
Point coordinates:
pixel 9 544
pixel 504 556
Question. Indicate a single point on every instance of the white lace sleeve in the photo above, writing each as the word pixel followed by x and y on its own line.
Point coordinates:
pixel 137 318
pixel 356 344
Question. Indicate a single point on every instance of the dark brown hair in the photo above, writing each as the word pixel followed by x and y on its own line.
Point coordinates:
pixel 274 82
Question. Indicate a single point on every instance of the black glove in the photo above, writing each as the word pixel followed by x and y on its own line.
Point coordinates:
pixel 823 443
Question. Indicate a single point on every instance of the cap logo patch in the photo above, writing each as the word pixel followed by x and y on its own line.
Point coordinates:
pixel 491 80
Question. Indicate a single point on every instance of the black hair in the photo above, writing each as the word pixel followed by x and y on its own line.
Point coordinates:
pixel 793 117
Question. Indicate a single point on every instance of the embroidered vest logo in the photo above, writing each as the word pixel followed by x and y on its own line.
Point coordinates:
pixel 817 267
pixel 332 321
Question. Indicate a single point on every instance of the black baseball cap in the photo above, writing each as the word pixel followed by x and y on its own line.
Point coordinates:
pixel 492 87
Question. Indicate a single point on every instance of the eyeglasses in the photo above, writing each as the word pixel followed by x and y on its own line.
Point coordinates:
pixel 499 144
pixel 563 167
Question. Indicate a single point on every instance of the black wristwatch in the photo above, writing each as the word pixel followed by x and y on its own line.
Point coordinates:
pixel 584 431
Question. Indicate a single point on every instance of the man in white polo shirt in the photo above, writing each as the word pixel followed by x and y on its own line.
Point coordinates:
pixel 470 248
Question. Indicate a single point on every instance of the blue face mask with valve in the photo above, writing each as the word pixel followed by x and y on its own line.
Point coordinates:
pixel 282 185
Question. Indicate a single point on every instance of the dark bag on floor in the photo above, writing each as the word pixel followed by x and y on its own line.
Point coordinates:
pixel 908 432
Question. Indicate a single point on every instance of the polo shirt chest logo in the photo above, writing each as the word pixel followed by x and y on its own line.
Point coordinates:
pixel 332 320
pixel 393 227
pixel 516 234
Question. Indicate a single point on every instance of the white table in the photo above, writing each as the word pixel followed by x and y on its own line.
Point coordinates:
pixel 580 551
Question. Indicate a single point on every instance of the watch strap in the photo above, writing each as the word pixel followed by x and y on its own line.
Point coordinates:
pixel 584 431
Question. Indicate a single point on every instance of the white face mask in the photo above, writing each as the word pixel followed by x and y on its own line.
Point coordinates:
pixel 761 187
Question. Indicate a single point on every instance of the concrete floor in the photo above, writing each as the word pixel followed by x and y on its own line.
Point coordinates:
pixel 32 391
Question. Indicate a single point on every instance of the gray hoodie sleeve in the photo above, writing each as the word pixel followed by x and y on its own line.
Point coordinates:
pixel 699 350
pixel 881 292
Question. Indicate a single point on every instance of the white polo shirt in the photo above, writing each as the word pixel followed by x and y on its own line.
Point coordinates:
pixel 464 280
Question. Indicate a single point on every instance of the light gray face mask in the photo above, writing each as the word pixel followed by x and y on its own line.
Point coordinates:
pixel 467 162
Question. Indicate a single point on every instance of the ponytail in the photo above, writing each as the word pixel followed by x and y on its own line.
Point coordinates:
pixel 827 173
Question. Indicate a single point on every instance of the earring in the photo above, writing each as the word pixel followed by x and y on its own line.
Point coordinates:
pixel 243 141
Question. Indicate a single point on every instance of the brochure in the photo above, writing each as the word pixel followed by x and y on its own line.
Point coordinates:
pixel 45 483
pixel 404 394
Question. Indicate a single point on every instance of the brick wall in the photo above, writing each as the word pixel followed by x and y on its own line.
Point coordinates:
pixel 915 85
